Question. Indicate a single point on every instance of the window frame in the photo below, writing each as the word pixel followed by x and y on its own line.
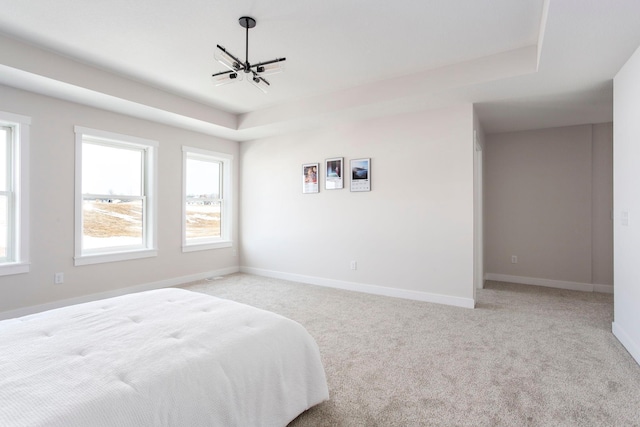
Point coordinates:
pixel 149 196
pixel 226 200
pixel 17 260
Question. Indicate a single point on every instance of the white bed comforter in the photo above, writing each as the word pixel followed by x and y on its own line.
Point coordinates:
pixel 168 357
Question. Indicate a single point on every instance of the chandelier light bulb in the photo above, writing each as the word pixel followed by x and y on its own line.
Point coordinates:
pixel 259 83
pixel 270 69
pixel 227 60
pixel 225 79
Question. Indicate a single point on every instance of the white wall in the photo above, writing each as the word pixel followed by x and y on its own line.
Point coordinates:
pixel 602 204
pixel 626 176
pixel 411 236
pixel 548 201
pixel 52 206
pixel 478 202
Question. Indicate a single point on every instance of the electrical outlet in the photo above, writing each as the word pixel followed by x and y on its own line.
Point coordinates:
pixel 58 278
pixel 354 265
pixel 624 219
pixel 514 259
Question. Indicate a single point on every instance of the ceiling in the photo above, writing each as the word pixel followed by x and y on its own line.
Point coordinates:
pixel 525 64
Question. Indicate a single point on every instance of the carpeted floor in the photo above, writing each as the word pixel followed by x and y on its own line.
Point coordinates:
pixel 526 356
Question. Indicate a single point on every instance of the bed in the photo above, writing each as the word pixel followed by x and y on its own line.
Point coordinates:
pixel 167 357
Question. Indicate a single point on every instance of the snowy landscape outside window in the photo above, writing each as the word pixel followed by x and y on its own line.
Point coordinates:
pixel 113 200
pixel 206 199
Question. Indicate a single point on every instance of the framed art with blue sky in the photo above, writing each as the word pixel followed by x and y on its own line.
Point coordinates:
pixel 361 175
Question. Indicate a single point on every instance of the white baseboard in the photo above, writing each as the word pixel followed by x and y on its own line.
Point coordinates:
pixel 603 289
pixel 624 338
pixel 560 284
pixel 365 288
pixel 175 281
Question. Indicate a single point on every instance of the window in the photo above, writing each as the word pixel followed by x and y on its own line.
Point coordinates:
pixel 14 200
pixel 207 199
pixel 115 197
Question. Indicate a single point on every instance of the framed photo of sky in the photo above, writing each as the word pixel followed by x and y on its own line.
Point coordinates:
pixel 360 175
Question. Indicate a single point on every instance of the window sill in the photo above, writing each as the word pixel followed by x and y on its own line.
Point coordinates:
pixel 206 246
pixel 14 268
pixel 114 257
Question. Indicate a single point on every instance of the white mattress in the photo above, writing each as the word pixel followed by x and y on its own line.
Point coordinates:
pixel 168 357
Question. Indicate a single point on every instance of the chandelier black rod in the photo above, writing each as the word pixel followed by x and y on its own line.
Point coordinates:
pixel 273 61
pixel 246 51
pixel 223 72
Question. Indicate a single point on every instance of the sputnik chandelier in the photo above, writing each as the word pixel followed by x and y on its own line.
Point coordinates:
pixel 255 72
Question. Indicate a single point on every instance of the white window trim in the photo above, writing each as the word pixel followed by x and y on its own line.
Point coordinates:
pixel 226 229
pixel 151 182
pixel 20 159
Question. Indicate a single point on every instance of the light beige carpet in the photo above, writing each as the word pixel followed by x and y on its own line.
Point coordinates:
pixel 526 356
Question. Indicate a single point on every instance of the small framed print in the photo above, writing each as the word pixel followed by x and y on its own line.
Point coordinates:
pixel 310 177
pixel 361 175
pixel 333 173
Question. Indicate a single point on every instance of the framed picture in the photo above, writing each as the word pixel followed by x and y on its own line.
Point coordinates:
pixel 333 173
pixel 310 177
pixel 361 175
